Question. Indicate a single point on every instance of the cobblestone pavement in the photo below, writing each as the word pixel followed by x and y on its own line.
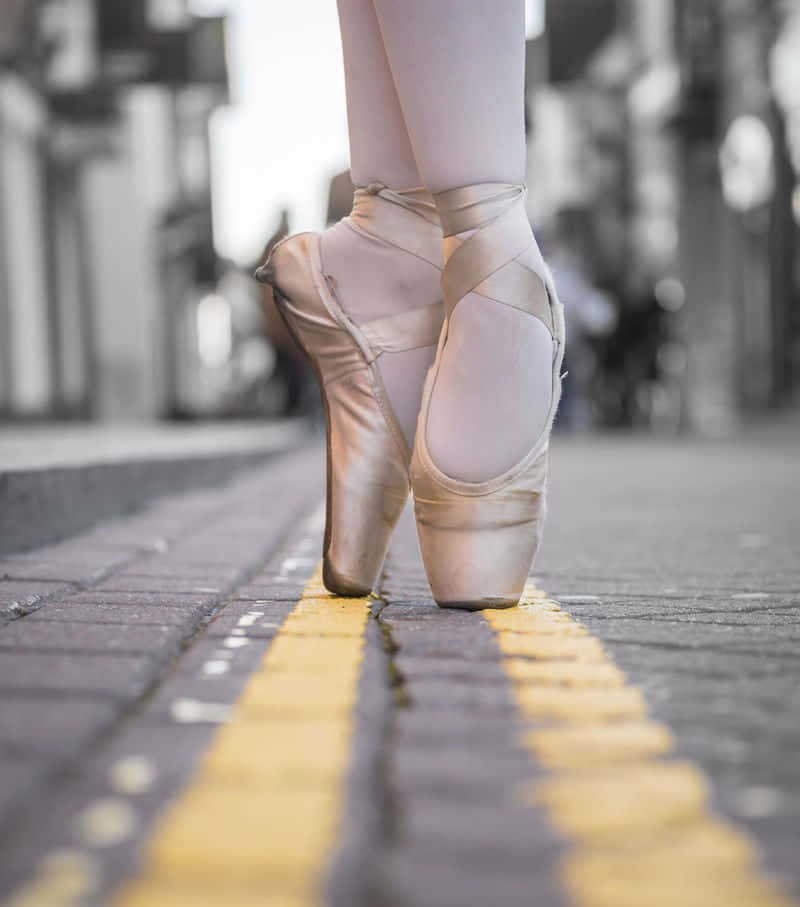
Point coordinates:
pixel 186 718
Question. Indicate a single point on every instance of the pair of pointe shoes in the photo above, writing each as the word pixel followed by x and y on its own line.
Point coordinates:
pixel 478 539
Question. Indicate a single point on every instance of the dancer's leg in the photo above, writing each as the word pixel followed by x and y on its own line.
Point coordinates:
pixel 374 279
pixel 458 66
pixel 380 150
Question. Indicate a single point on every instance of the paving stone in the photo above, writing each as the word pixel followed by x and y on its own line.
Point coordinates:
pixel 31 571
pixel 490 772
pixel 291 571
pixel 779 836
pixel 773 640
pixel 772 692
pixel 222 558
pixel 75 551
pixel 691 609
pixel 433 728
pixel 423 610
pixel 636 658
pixel 166 755
pixel 288 591
pixel 497 837
pixel 257 620
pixel 51 636
pixel 169 570
pixel 352 879
pixel 461 642
pixel 450 695
pixel 172 749
pixel 162 585
pixel 142 534
pixel 270 610
pixel 76 612
pixel 435 879
pixel 104 675
pixel 51 728
pixel 169 753
pixel 12 591
pixel 160 599
pixel 243 659
pixel 483 670
pixel 240 540
pixel 201 687
pixel 19 778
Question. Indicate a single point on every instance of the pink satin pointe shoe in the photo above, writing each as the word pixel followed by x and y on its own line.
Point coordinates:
pixel 367 454
pixel 479 539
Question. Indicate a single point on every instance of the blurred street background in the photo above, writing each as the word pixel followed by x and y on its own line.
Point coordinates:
pixel 150 150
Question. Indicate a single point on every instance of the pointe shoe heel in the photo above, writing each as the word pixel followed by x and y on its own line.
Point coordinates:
pixel 366 453
pixel 479 539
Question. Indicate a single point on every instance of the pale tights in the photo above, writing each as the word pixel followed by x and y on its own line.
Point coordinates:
pixel 435 98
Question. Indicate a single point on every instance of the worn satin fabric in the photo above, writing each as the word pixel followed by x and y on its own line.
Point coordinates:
pixel 478 540
pixel 368 457
pixel 484 262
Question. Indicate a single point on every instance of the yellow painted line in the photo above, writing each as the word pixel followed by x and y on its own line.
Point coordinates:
pixel 258 823
pixel 637 819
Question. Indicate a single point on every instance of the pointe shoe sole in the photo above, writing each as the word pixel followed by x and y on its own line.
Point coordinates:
pixel 493 603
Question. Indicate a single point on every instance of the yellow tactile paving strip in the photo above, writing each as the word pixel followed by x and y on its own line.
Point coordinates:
pixel 638 820
pixel 257 825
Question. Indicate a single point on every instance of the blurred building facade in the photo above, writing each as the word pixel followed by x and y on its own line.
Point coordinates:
pixel 665 156
pixel 669 131
pixel 105 208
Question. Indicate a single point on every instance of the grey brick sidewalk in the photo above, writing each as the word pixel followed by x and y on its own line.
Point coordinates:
pixel 461 833
pixel 684 560
pixel 94 622
pixel 680 557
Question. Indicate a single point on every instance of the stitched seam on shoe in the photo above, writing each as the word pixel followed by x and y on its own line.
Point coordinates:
pixel 389 418
pixel 340 377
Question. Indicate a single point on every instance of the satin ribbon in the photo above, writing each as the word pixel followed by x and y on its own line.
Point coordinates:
pixel 485 261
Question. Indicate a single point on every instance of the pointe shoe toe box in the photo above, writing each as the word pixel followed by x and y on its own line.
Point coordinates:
pixel 478 548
